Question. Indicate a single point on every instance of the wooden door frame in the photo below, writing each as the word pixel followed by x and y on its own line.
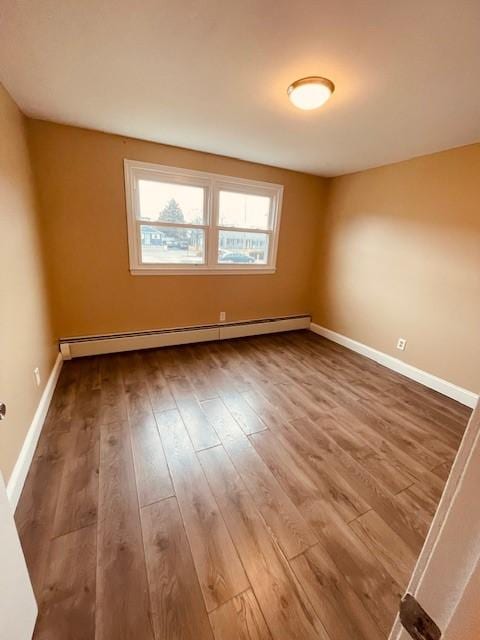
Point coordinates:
pixel 18 608
pixel 452 547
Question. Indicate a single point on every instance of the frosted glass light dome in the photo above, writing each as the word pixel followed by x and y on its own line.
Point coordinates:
pixel 310 93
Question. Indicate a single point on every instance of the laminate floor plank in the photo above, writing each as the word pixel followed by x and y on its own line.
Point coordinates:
pixel 251 372
pixel 322 400
pixel 113 406
pixel 287 525
pixel 416 442
pixel 77 502
pixel 295 368
pixel 67 603
pixel 393 430
pixel 396 556
pixel 418 496
pixel 178 610
pixel 370 489
pixel 278 396
pixel 336 603
pixel 151 470
pixel 240 619
pixel 442 471
pixel 441 446
pixel 35 514
pixel 399 459
pixel 412 504
pixel 265 410
pixel 137 397
pixel 231 373
pixel 270 487
pixel 428 397
pixel 421 399
pixel 275 374
pixel 449 426
pixel 282 600
pixel 243 413
pixel 378 591
pixel 377 465
pixel 201 432
pixel 423 496
pixel 286 466
pixel 431 485
pixel 306 484
pixel 60 412
pixel 302 399
pixel 122 599
pixel 372 411
pixel 219 570
pixel 170 360
pixel 226 382
pixel 372 584
pixel 329 477
pixel 197 372
pixel 199 428
pixel 158 388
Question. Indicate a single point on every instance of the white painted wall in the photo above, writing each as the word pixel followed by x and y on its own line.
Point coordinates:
pixel 18 609
pixel 465 623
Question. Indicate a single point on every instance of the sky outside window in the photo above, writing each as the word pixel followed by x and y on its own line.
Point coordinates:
pixel 243 210
pixel 154 196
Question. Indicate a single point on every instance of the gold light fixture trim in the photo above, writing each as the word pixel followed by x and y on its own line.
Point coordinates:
pixel 311 92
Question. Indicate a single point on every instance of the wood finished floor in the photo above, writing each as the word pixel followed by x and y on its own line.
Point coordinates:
pixel 275 487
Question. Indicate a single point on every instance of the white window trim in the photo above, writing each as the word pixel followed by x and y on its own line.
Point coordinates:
pixel 213 183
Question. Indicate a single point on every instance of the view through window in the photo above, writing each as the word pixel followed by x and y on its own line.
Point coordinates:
pixel 195 221
pixel 180 206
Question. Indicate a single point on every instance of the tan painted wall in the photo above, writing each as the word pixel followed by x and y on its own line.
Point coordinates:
pixel 399 256
pixel 80 177
pixel 26 338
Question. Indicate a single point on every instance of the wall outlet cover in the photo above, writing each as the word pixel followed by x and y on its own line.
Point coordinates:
pixel 401 344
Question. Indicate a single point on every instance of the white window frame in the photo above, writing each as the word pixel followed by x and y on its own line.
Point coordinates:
pixel 212 183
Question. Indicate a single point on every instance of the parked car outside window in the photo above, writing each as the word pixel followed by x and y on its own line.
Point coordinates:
pixel 236 257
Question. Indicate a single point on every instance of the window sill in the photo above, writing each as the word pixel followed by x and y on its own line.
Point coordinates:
pixel 202 271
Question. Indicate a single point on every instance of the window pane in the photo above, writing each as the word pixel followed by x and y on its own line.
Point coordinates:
pixel 243 210
pixel 171 202
pixel 172 245
pixel 242 247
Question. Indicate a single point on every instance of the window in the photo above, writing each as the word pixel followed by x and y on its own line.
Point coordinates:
pixel 182 221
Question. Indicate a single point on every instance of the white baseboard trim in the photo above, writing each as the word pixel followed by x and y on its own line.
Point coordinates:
pixel 24 460
pixel 96 345
pixel 466 397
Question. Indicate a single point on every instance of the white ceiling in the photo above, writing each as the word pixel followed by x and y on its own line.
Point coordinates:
pixel 213 74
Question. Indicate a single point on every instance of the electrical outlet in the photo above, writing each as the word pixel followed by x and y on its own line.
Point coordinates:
pixel 36 373
pixel 223 316
pixel 401 344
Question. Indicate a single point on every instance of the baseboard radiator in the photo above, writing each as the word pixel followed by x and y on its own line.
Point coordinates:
pixel 113 343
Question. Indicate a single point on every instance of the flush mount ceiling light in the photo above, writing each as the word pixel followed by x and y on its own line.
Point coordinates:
pixel 310 93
